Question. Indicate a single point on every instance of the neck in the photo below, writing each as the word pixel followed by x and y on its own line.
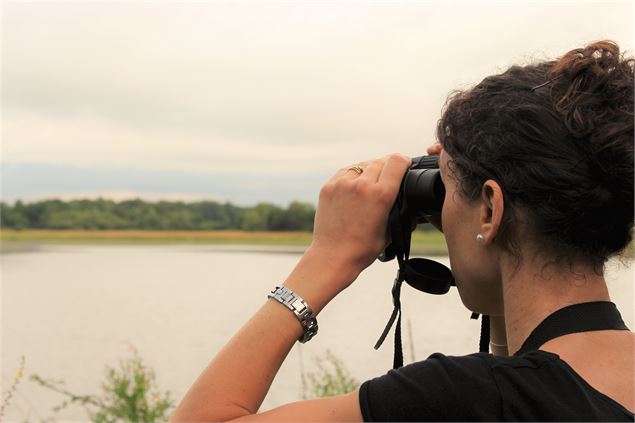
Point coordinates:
pixel 530 295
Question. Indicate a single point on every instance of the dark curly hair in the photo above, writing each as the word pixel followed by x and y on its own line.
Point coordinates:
pixel 558 138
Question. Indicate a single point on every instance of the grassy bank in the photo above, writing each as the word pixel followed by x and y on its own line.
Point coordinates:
pixel 157 237
pixel 431 243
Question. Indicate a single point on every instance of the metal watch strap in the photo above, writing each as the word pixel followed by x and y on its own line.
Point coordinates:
pixel 301 309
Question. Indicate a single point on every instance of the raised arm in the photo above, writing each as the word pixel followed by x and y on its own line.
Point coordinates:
pixel 349 233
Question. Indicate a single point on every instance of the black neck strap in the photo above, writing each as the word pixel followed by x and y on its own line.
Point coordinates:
pixel 583 317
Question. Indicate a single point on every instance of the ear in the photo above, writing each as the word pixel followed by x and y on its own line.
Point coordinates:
pixel 492 207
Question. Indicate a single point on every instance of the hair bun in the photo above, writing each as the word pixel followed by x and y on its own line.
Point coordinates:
pixel 591 79
pixel 596 60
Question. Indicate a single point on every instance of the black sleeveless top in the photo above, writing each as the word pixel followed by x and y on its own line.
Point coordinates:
pixel 531 385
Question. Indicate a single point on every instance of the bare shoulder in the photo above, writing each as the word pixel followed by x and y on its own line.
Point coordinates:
pixel 341 408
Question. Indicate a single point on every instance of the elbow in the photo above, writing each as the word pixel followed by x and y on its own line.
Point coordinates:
pixel 219 413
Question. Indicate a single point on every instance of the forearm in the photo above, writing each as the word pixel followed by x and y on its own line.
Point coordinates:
pixel 349 233
pixel 237 380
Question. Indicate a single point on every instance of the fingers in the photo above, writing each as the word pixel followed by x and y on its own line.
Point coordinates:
pixel 434 149
pixel 373 170
pixel 394 168
pixel 389 169
pixel 346 172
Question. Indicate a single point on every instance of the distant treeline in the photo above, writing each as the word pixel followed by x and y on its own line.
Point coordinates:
pixel 163 215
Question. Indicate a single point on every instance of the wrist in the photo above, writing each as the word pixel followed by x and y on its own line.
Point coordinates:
pixel 300 309
pixel 319 276
pixel 341 258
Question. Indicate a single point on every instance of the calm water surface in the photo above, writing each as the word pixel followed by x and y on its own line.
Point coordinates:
pixel 71 310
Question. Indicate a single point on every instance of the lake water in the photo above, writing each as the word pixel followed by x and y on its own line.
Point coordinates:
pixel 72 310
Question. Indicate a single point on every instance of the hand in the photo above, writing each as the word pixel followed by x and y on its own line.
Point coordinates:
pixel 352 215
pixel 434 149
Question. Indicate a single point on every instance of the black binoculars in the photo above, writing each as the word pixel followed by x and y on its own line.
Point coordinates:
pixel 420 199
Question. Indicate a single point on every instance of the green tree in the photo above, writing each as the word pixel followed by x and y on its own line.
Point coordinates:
pixel 12 217
pixel 165 215
pixel 234 214
pixel 211 215
pixel 297 217
pixel 36 212
pixel 259 217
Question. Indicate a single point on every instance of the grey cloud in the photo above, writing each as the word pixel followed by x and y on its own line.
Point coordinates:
pixel 215 86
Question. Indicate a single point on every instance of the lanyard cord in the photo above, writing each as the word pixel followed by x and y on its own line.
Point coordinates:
pixel 402 248
pixel 422 274
pixel 582 317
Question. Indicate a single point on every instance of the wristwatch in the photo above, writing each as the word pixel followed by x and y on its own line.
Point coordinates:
pixel 299 307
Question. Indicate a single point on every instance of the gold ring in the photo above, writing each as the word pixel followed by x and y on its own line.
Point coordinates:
pixel 357 169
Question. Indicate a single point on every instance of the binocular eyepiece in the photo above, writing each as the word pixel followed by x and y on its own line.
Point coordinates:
pixel 420 198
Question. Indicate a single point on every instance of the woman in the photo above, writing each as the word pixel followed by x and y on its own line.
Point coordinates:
pixel 537 164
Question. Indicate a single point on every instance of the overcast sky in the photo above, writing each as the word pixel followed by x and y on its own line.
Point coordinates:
pixel 250 101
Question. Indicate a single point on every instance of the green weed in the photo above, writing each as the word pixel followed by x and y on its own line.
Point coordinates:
pixel 8 394
pixel 331 378
pixel 129 394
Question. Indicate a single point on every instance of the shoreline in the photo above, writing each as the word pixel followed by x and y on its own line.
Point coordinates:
pixel 13 241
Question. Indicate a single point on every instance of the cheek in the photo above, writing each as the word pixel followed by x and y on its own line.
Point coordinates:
pixel 449 220
pixel 454 220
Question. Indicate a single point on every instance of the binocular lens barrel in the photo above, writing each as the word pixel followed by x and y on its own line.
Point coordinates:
pixel 421 196
pixel 423 189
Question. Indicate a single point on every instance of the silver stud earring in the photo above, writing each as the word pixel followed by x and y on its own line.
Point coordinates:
pixel 480 238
